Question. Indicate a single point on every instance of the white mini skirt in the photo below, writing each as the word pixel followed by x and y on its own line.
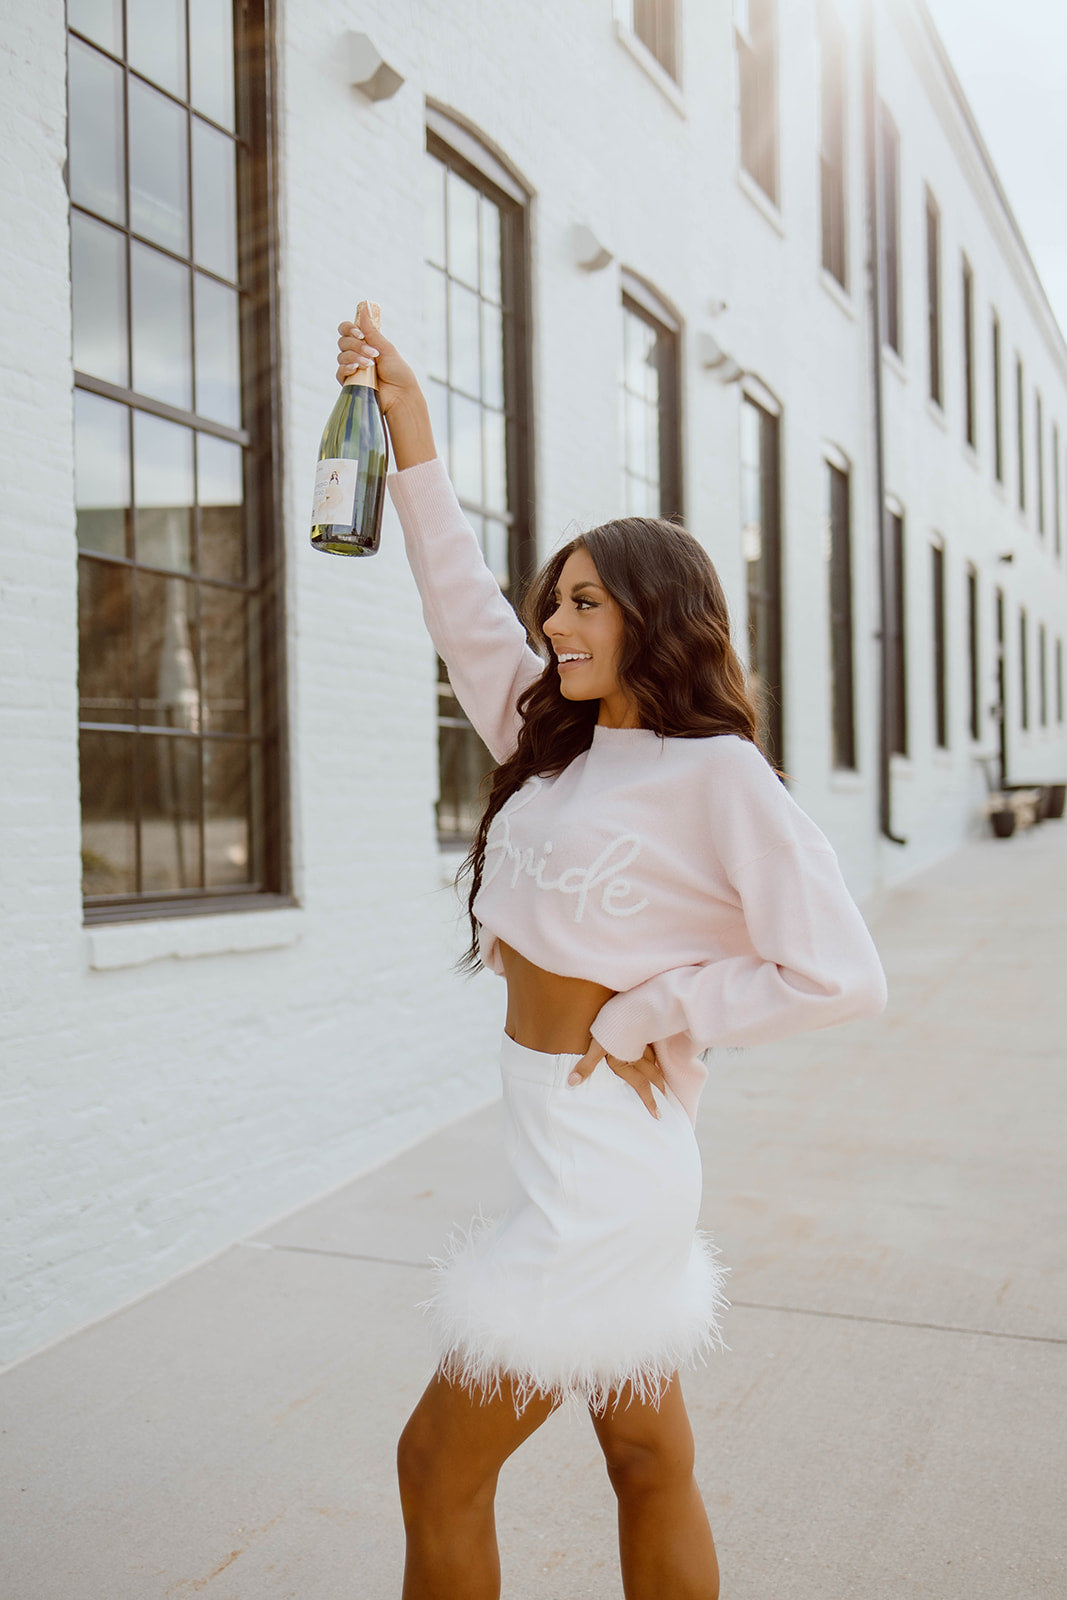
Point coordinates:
pixel 595 1279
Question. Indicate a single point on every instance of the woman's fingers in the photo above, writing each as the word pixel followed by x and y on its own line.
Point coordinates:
pixel 631 1074
pixel 584 1067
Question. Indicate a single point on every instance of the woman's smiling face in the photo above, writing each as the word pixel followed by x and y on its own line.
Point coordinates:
pixel 586 631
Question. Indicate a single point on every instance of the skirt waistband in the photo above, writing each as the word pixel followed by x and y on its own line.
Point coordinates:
pixel 539 1066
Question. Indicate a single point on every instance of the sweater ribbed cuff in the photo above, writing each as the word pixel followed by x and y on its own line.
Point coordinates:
pixel 626 1024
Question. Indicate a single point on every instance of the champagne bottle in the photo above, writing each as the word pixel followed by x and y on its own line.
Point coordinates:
pixel 346 518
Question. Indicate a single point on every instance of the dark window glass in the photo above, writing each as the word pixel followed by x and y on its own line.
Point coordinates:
pixel 762 554
pixel 839 554
pixel 937 593
pixel 898 675
pixel 757 48
pixel 1024 673
pixel 1059 680
pixel 973 675
pixel 649 426
pixel 1039 460
pixel 1042 676
pixel 933 295
pixel 889 172
pixel 970 427
pixel 1057 507
pixel 476 293
pixel 832 143
pixel 1020 432
pixel 998 420
pixel 655 25
pixel 170 250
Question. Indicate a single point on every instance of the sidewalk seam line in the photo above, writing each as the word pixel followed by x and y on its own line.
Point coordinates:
pixel 898 1322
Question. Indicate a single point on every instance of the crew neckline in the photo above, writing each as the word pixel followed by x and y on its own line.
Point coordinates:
pixel 604 733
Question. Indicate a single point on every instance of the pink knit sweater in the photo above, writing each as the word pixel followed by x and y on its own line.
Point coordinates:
pixel 679 872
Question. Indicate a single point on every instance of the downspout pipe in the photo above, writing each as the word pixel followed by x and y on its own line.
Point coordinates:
pixel 874 286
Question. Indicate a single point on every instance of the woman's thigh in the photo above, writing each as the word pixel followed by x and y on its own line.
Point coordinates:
pixel 457 1441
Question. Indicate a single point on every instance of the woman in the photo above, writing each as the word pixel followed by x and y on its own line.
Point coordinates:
pixel 648 888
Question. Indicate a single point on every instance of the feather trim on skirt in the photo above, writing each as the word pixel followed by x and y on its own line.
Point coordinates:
pixel 595 1285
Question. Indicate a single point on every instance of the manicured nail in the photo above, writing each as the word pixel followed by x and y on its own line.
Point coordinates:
pixel 575 1077
pixel 371 352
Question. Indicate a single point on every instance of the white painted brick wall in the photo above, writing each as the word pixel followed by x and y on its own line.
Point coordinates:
pixel 171 1087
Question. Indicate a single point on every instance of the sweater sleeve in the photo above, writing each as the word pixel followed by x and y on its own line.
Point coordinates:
pixel 476 632
pixel 813 962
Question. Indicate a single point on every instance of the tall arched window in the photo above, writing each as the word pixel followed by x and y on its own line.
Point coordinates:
pixel 477 322
pixel 649 404
pixel 174 410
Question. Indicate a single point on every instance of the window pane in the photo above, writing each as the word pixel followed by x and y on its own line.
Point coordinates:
pixel 159 168
pixel 214 200
pixel 495 543
pixel 97 165
pixel 101 472
pixel 465 362
pixel 220 491
pixel 467 448
pixel 218 360
pixel 492 356
pixel 168 652
pixel 155 41
pixel 170 812
pixel 434 215
pixel 98 271
pixel 462 230
pixel 436 324
pixel 211 58
pixel 496 497
pixel 109 844
pixel 162 346
pixel 490 241
pixel 98 19
pixel 227 813
pixel 163 492
pixel 105 642
pixel 437 400
pixel 225 635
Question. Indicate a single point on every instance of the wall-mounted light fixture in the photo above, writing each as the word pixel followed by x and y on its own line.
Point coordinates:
pixel 368 70
pixel 1009 555
pixel 713 358
pixel 588 252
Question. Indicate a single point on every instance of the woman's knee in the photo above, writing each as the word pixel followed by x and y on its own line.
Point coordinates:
pixel 647 1450
pixel 431 1473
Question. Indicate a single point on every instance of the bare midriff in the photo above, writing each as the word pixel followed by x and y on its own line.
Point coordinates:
pixel 546 1011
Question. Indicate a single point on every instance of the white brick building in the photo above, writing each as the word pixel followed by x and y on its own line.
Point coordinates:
pixel 657 220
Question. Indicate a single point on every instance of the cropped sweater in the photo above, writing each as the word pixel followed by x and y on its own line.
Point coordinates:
pixel 679 873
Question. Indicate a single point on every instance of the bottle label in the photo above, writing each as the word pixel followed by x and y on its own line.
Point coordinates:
pixel 335 493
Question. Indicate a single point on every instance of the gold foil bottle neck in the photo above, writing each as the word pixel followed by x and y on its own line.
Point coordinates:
pixel 367 375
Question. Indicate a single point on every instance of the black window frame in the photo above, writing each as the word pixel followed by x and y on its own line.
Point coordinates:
pixel 998 412
pixel 756 44
pixel 935 387
pixel 763 588
pixel 974 712
pixel 840 617
pixel 897 642
pixel 655 23
pixel 939 657
pixel 833 143
pixel 639 299
pixel 1020 431
pixel 1039 459
pixel 460 149
pixel 256 210
pixel 970 411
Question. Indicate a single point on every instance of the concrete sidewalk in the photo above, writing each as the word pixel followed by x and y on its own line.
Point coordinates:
pixel 889 1420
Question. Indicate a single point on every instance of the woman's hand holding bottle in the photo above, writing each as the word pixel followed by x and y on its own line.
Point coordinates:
pixel 402 401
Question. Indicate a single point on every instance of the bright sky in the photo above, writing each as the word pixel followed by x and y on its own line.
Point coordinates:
pixel 1011 58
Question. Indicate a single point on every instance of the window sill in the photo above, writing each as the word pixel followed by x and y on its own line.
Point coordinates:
pixel 970 454
pixel 894 363
pixel 841 297
pixel 135 944
pixel 936 414
pixel 943 757
pixel 842 781
pixel 651 67
pixel 901 766
pixel 762 202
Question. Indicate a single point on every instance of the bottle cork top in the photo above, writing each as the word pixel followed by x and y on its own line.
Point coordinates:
pixel 367 375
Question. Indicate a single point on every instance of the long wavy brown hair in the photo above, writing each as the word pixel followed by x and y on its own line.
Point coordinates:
pixel 676 662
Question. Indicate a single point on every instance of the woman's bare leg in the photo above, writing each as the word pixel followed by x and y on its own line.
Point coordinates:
pixel 665 1542
pixel 448 1460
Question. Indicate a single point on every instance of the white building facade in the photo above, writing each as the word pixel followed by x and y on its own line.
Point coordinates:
pixel 627 252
